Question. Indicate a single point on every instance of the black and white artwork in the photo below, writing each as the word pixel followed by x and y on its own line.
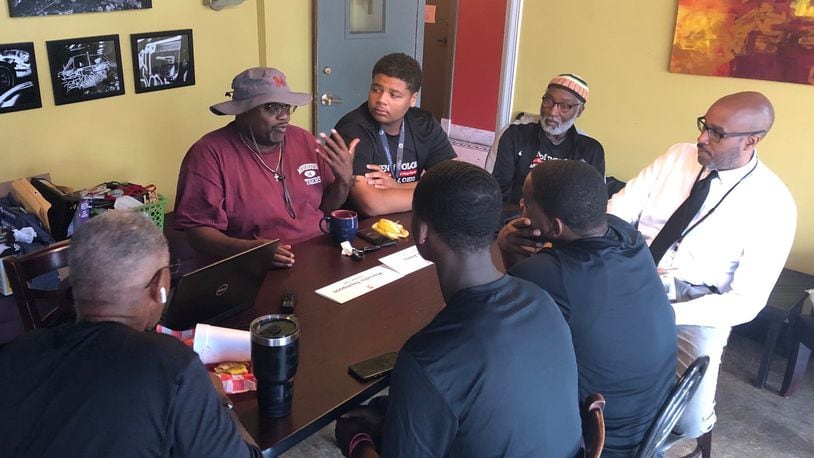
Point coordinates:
pixel 163 60
pixel 20 8
pixel 85 68
pixel 19 87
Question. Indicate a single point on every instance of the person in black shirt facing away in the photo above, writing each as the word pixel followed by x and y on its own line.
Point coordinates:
pixel 494 373
pixel 601 274
pixel 397 141
pixel 102 386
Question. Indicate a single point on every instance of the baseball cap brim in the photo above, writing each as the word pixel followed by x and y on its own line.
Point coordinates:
pixel 236 107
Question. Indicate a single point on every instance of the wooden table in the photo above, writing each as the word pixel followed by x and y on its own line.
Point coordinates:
pixel 333 336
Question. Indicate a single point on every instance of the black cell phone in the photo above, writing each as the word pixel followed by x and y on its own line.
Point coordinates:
pixel 288 302
pixel 374 237
pixel 373 368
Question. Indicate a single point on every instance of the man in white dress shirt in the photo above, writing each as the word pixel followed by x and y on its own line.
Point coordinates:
pixel 728 257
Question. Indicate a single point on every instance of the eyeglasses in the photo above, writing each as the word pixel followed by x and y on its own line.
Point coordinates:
pixel 174 268
pixel 276 109
pixel 716 135
pixel 563 107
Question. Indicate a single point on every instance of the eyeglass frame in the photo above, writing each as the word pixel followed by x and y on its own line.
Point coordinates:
pixel 562 107
pixel 174 268
pixel 716 135
pixel 276 109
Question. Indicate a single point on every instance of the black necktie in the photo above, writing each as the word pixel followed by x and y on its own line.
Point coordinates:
pixel 681 218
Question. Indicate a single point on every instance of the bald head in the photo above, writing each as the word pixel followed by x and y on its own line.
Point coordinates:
pixel 111 258
pixel 731 129
pixel 747 111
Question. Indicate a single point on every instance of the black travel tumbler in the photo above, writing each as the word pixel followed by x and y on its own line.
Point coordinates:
pixel 275 353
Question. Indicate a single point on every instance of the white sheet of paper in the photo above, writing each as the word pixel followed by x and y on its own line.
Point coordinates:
pixel 405 261
pixel 361 283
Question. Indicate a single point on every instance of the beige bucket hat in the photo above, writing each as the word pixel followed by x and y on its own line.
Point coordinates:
pixel 257 86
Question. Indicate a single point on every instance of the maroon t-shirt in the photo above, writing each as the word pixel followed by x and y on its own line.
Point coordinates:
pixel 223 185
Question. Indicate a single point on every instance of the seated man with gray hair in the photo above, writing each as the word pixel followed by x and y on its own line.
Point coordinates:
pixel 522 146
pixel 102 386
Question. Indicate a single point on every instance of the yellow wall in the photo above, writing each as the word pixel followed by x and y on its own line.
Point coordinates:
pixel 287 38
pixel 637 108
pixel 135 137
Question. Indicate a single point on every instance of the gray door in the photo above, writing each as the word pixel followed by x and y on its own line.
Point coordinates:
pixel 350 36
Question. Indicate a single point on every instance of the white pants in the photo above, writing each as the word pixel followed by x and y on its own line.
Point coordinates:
pixel 695 341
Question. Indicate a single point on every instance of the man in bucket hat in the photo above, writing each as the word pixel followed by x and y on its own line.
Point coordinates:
pixel 258 177
pixel 522 146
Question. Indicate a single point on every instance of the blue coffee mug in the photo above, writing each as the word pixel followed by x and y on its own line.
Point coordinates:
pixel 342 225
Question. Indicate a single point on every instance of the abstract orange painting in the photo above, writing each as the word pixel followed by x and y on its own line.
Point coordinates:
pixel 759 39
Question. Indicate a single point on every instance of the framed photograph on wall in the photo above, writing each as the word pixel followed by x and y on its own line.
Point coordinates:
pixel 19 86
pixel 162 60
pixel 85 68
pixel 22 8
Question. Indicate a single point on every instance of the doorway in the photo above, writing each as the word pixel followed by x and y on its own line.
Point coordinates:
pixel 349 37
pixel 440 21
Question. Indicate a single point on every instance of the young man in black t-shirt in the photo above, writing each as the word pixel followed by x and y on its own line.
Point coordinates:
pixel 602 276
pixel 397 141
pixel 494 373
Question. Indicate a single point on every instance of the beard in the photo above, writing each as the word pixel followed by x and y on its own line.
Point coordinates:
pixel 561 128
pixel 720 160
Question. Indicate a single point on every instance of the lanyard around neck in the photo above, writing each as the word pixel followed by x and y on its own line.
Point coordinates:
pixel 394 170
pixel 689 229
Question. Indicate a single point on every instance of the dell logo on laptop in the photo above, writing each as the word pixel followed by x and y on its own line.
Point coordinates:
pixel 221 289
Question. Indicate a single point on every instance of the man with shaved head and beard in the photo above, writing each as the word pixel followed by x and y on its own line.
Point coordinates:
pixel 703 210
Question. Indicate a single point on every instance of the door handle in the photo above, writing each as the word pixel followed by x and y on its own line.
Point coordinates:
pixel 328 99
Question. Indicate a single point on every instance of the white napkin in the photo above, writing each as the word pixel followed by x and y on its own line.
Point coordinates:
pixel 24 235
pixel 126 203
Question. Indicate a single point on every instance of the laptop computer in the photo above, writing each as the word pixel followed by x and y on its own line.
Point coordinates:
pixel 220 290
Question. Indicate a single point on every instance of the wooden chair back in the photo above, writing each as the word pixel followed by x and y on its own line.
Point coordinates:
pixel 593 425
pixel 22 269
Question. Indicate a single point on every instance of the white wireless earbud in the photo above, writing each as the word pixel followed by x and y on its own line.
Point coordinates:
pixel 163 293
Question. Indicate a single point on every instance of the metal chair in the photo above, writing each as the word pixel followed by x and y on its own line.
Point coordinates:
pixel 521 118
pixel 593 425
pixel 703 447
pixel 802 341
pixel 672 408
pixel 30 301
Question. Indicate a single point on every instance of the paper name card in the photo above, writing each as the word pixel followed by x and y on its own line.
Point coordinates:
pixel 405 261
pixel 358 284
